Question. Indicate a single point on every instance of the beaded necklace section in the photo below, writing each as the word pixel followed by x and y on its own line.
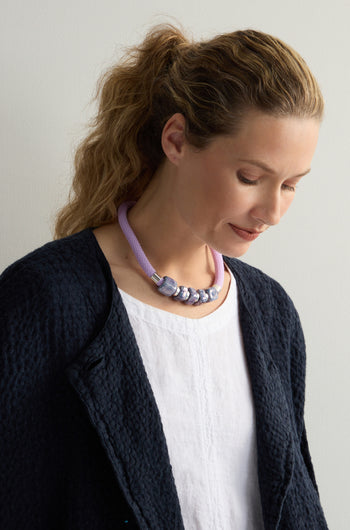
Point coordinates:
pixel 166 285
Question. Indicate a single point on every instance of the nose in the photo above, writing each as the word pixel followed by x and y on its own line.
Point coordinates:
pixel 268 210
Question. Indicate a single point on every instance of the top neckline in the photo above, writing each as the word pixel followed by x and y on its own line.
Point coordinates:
pixel 172 321
pixel 233 284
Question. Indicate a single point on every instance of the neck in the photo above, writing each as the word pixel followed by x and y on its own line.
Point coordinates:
pixel 168 242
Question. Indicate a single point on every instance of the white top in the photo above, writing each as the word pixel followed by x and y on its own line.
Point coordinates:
pixel 198 373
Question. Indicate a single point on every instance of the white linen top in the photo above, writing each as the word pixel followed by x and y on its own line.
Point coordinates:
pixel 198 373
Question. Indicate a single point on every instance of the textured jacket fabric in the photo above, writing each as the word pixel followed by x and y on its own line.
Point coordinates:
pixel 81 439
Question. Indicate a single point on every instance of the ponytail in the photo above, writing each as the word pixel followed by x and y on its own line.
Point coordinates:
pixel 117 159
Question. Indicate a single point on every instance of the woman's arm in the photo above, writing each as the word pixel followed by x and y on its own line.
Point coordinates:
pixel 298 375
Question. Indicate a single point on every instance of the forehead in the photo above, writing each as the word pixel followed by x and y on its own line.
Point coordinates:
pixel 279 143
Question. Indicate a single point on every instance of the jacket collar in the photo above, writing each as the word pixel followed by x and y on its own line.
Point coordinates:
pixel 111 381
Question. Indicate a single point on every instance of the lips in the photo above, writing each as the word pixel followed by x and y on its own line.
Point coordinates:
pixel 247 235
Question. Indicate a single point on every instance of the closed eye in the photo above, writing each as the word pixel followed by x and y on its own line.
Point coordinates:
pixel 287 187
pixel 245 180
pixel 254 182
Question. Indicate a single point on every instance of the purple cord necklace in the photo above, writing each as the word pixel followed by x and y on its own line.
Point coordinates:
pixel 166 285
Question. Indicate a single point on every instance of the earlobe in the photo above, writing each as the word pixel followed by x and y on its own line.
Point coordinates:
pixel 173 138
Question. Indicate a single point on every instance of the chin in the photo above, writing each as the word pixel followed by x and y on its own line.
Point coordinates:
pixel 234 252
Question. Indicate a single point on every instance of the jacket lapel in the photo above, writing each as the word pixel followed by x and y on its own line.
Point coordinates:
pixel 273 423
pixel 110 379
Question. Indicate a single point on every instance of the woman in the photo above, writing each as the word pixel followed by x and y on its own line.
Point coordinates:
pixel 129 399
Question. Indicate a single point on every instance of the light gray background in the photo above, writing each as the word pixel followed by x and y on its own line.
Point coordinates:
pixel 51 56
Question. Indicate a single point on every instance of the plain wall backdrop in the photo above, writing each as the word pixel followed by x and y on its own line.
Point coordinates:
pixel 52 54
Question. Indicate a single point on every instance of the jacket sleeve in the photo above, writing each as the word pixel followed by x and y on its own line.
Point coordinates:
pixel 25 323
pixel 298 373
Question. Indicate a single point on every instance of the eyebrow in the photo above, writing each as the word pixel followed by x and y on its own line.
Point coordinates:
pixel 265 167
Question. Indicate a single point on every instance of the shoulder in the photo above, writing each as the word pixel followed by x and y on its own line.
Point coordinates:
pixel 254 280
pixel 57 281
pixel 59 252
pixel 261 293
pixel 71 260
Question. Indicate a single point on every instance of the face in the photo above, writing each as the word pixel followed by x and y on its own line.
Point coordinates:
pixel 237 187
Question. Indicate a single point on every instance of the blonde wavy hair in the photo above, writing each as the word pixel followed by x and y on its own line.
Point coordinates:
pixel 212 83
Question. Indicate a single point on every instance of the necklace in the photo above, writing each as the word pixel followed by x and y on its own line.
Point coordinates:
pixel 166 285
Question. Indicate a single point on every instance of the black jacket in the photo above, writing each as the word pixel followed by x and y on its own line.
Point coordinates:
pixel 81 440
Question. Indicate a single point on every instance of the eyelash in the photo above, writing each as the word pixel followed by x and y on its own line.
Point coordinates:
pixel 254 182
pixel 289 188
pixel 245 180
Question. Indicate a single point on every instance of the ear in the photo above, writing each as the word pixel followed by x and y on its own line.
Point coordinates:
pixel 173 138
